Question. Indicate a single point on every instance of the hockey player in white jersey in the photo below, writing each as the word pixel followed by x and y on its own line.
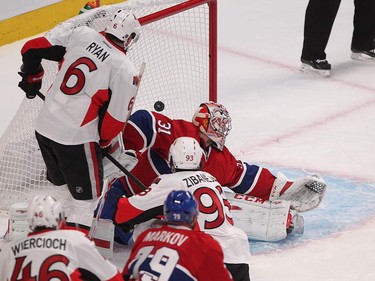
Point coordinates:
pixel 214 218
pixel 49 253
pixel 86 107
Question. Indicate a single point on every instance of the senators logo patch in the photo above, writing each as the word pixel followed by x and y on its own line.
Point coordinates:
pixel 156 181
pixel 136 80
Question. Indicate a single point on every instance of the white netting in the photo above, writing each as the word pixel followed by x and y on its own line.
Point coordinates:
pixel 175 49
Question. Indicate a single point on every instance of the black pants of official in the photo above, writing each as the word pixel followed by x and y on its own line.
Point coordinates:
pixel 319 18
pixel 239 271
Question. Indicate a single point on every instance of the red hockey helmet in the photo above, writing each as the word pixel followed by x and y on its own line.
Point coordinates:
pixel 214 121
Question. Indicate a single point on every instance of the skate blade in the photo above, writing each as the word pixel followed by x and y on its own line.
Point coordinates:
pixel 310 70
pixel 362 57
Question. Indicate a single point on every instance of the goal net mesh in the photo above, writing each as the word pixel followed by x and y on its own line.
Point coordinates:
pixel 176 51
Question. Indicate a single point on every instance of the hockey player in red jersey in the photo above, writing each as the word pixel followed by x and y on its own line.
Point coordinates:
pixel 215 218
pixel 153 133
pixel 49 253
pixel 174 251
pixel 85 108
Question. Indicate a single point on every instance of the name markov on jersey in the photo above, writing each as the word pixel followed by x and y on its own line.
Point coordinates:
pixel 166 237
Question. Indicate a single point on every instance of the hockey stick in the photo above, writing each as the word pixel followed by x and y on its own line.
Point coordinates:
pixel 41 95
pixel 126 172
pixel 117 164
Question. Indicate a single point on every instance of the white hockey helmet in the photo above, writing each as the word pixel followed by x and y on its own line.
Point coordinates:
pixel 123 25
pixel 45 212
pixel 185 154
pixel 214 121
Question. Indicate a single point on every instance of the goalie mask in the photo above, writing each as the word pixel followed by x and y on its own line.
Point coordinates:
pixel 214 121
pixel 45 212
pixel 124 25
pixel 185 154
pixel 180 207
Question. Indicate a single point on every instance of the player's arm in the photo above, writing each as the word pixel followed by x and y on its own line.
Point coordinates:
pixel 123 88
pixel 31 70
pixel 148 129
pixel 139 131
pixel 143 206
pixel 215 269
pixel 37 49
pixel 239 176
pixel 127 216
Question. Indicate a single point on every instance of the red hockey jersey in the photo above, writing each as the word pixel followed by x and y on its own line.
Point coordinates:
pixel 176 253
pixel 153 133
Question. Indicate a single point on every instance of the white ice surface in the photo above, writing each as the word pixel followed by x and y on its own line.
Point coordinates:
pixel 288 120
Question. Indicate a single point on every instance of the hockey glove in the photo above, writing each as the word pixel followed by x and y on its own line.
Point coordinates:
pixel 127 159
pixel 31 82
pixel 105 145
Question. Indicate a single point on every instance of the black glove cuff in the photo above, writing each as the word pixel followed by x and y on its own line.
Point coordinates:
pixel 31 69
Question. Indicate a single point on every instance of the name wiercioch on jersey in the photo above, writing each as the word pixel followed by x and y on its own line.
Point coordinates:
pixel 55 243
pixel 198 178
pixel 97 51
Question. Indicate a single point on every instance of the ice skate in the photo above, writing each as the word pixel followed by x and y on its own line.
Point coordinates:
pixel 297 224
pixel 320 67
pixel 365 56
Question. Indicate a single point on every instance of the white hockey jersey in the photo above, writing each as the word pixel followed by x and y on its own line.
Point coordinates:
pixel 93 71
pixel 214 214
pixel 49 254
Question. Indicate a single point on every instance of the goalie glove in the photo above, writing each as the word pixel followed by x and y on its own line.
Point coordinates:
pixel 127 159
pixel 304 193
pixel 31 82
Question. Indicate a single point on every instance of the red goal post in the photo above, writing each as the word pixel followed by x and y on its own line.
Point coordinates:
pixel 179 45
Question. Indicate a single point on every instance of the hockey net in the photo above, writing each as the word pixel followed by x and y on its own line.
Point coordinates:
pixel 178 44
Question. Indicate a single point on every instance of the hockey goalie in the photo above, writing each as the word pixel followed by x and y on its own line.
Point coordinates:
pixel 268 204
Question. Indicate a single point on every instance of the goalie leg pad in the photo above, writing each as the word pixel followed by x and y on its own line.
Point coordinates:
pixel 18 226
pixel 305 193
pixel 102 233
pixel 62 194
pixel 82 212
pixel 261 220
